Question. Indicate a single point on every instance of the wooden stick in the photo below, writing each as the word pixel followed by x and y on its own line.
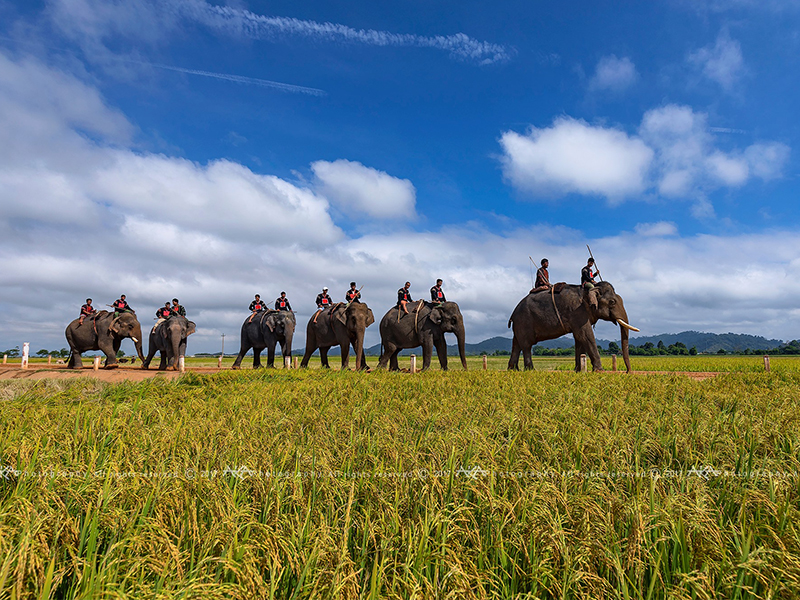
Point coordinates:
pixel 595 262
pixel 413 363
pixel 485 362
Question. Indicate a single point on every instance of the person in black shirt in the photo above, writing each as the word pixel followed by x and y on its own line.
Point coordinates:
pixel 164 312
pixel 404 297
pixel 323 301
pixel 437 295
pixel 87 310
pixel 120 306
pixel 587 282
pixel 256 306
pixel 177 308
pixel 282 303
pixel 353 295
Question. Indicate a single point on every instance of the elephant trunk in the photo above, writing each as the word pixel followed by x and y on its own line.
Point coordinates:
pixel 359 348
pixel 460 337
pixel 137 342
pixel 623 334
pixel 175 342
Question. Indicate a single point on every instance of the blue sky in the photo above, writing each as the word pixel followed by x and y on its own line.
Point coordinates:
pixel 212 151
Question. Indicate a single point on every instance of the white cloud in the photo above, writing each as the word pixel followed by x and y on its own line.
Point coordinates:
pixel 614 74
pixel 659 229
pixel 722 62
pixel 93 23
pixel 573 156
pixel 363 191
pixel 767 160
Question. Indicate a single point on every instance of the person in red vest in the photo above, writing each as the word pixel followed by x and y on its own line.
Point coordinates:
pixel 323 301
pixel 282 303
pixel 120 306
pixel 164 312
pixel 404 297
pixel 256 306
pixel 353 295
pixel 87 310
pixel 437 295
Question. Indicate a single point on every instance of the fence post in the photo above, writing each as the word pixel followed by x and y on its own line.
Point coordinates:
pixel 287 362
pixel 766 364
pixel 219 362
pixel 583 363
pixel 96 364
pixel 485 362
pixel 413 363
pixel 26 348
pixel 182 365
pixel 613 362
pixel 49 359
pixel 5 358
pixel 294 362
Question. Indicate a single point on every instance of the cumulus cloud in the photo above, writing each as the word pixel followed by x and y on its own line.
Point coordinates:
pixel 573 156
pixel 93 23
pixel 613 74
pixel 363 191
pixel 659 229
pixel 722 62
pixel 674 153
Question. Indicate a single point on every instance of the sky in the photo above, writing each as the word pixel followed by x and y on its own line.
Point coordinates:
pixel 210 151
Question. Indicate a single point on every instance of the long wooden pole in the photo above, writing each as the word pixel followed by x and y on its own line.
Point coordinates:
pixel 595 262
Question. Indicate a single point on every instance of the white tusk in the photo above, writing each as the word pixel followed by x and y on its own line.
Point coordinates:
pixel 135 341
pixel 625 325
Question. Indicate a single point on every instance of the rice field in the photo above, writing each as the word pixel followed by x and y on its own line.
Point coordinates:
pixel 323 484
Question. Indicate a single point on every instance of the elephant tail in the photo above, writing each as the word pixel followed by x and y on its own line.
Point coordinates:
pixel 510 319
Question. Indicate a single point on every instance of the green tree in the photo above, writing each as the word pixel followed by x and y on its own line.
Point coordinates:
pixel 693 351
pixel 613 348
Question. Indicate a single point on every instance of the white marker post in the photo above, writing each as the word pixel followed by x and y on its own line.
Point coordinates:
pixel 413 363
pixel 182 364
pixel 287 362
pixel 96 365
pixel 485 362
pixel 295 362
pixel 49 359
pixel 583 363
pixel 766 364
pixel 5 358
pixel 26 348
pixel 219 362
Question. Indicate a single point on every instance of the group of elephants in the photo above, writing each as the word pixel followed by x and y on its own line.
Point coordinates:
pixel 538 317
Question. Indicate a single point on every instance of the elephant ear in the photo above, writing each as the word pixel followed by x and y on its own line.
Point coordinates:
pixel 436 316
pixel 270 321
pixel 190 328
pixel 370 317
pixel 341 316
pixel 112 328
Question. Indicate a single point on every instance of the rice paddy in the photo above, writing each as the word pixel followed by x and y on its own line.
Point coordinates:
pixel 314 484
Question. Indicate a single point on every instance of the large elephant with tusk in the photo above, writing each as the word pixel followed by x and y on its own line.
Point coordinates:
pixel 547 315
pixel 105 333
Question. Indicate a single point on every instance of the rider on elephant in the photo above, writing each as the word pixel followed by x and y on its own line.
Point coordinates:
pixel 323 301
pixel 404 297
pixel 120 306
pixel 282 303
pixel 162 314
pixel 256 306
pixel 437 295
pixel 542 278
pixel 87 310
pixel 588 283
pixel 177 308
pixel 352 295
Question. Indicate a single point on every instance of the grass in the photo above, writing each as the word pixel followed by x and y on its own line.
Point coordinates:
pixel 286 484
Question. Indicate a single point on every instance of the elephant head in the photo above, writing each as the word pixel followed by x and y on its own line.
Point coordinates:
pixel 127 326
pixel 176 329
pixel 448 318
pixel 611 308
pixel 356 318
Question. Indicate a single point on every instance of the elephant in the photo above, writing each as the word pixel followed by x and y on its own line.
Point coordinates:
pixel 425 325
pixel 102 332
pixel 536 319
pixel 265 330
pixel 169 338
pixel 343 325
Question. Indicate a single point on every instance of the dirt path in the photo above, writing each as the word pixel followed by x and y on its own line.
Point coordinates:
pixel 135 373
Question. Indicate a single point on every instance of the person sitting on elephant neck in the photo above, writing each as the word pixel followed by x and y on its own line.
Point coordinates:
pixel 87 310
pixel 177 308
pixel 352 295
pixel 542 278
pixel 437 295
pixel 588 283
pixel 403 298
pixel 282 303
pixel 323 301
pixel 120 306
pixel 162 314
pixel 256 306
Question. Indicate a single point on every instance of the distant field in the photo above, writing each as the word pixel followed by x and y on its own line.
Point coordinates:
pixel 306 484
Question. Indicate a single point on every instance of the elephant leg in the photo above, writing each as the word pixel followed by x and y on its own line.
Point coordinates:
pixel 345 346
pixel 441 352
pixel 75 361
pixel 285 352
pixel 257 357
pixel 307 356
pixel 513 360
pixel 107 348
pixel 271 355
pixel 578 352
pixel 387 350
pixel 527 358
pixel 393 364
pixel 323 357
pixel 162 366
pixel 237 364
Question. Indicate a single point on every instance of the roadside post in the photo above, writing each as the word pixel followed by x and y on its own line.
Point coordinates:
pixel 413 363
pixel 583 363
pixel 26 348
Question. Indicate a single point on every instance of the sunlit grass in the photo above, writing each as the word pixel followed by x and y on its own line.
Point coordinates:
pixel 467 485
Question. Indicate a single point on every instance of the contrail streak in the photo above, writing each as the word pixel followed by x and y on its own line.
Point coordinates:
pixel 276 85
